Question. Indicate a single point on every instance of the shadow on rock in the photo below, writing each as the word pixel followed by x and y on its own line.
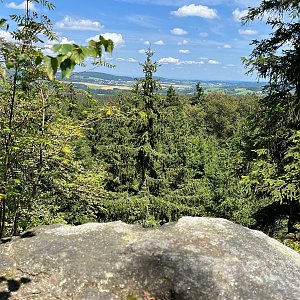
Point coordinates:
pixel 27 234
pixel 12 286
pixel 5 240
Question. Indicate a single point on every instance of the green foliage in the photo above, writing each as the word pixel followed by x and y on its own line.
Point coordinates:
pixel 2 22
pixel 187 167
pixel 70 55
pixel 36 133
pixel 274 137
pixel 30 28
pixel 295 245
pixel 198 95
pixel 172 98
pixel 131 297
pixel 144 157
pixel 146 91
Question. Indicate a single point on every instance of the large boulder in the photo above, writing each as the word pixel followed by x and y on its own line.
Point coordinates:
pixel 194 258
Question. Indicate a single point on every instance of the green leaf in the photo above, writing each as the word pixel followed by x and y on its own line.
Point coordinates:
pixel 38 60
pixel 6 130
pixel 92 44
pixel 96 48
pixel 77 55
pixel 64 49
pixel 93 52
pixel 67 67
pixel 87 51
pixel 2 22
pixel 9 64
pixel 56 48
pixel 51 64
pixel 22 58
pixel 108 44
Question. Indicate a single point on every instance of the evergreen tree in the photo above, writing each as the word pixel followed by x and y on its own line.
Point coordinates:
pixel 276 166
pixel 147 91
pixel 198 96
pixel 172 98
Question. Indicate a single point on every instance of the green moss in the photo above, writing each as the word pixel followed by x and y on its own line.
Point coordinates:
pixel 295 245
pixel 131 297
pixel 9 275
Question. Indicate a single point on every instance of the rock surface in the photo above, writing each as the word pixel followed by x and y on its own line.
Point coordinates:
pixel 195 258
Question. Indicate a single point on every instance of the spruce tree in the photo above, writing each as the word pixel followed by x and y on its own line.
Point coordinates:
pixel 276 141
pixel 172 98
pixel 147 91
pixel 198 96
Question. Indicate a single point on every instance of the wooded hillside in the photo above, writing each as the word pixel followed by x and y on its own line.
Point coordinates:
pixel 146 157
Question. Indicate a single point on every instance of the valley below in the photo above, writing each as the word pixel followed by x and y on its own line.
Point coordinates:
pixel 103 83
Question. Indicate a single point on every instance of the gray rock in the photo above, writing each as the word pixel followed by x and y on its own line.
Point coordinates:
pixel 195 258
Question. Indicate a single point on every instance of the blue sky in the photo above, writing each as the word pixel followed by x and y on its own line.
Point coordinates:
pixel 201 40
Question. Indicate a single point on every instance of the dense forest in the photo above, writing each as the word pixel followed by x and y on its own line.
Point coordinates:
pixel 146 157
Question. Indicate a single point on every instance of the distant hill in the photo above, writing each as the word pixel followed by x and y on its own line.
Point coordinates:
pixel 105 76
pixel 103 83
pixel 99 75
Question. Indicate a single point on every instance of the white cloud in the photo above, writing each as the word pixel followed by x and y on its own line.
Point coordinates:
pixel 61 40
pixel 65 40
pixel 247 32
pixel 203 34
pixel 141 51
pixel 226 46
pixel 130 59
pixel 78 24
pixel 213 62
pixel 176 61
pixel 238 14
pixel 160 42
pixel 191 62
pixel 204 58
pixel 147 43
pixel 120 58
pixel 6 36
pixel 169 60
pixel 184 42
pixel 22 5
pixel 95 38
pixel 178 31
pixel 115 37
pixel 184 51
pixel 230 65
pixel 193 10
